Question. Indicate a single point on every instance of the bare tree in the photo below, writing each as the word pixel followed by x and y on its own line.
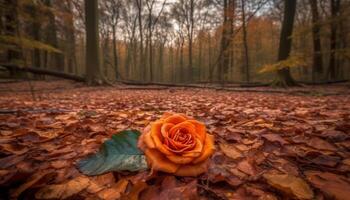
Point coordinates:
pixel 152 22
pixel 284 78
pixel 335 8
pixel 227 34
pixel 93 75
pixel 317 55
pixel 245 42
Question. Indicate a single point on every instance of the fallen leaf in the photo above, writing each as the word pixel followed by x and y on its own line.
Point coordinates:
pixel 64 190
pixel 11 160
pixel 247 166
pixel 14 148
pixel 135 191
pixel 290 185
pixel 230 151
pixel 320 144
pixel 186 191
pixel 58 164
pixel 29 183
pixel 275 138
pixel 335 186
pixel 115 191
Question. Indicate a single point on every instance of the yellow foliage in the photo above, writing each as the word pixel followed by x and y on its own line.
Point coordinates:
pixel 292 61
pixel 28 43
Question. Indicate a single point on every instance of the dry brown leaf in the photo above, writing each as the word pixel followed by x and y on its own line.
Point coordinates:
pixel 320 144
pixel 333 185
pixel 58 164
pixel 275 138
pixel 14 148
pixel 135 191
pixel 64 190
pixel 290 185
pixel 230 151
pixel 29 183
pixel 115 191
pixel 248 166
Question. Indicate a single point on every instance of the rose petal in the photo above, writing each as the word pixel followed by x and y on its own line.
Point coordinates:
pixel 158 138
pixel 166 115
pixel 178 159
pixel 165 129
pixel 200 129
pixel 175 119
pixel 177 147
pixel 148 140
pixel 183 125
pixel 196 151
pixel 208 149
pixel 192 170
pixel 159 162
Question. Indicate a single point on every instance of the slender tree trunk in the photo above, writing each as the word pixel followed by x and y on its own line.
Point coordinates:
pixel 11 28
pixel 190 42
pixel 160 61
pixel 72 60
pixel 93 74
pixel 142 67
pixel 232 44
pixel 335 6
pixel 150 46
pixel 200 67
pixel 115 52
pixel 105 51
pixel 182 66
pixel 172 65
pixel 317 55
pixel 284 78
pixel 35 28
pixel 52 38
pixel 225 47
pixel 210 65
pixel 245 44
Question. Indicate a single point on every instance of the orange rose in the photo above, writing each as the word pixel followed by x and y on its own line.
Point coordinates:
pixel 177 144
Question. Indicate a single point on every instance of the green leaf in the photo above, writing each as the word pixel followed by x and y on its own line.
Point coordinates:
pixel 117 154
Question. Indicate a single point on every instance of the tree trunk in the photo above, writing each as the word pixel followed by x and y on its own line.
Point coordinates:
pixel 142 68
pixel 200 67
pixel 160 61
pixel 245 44
pixel 115 52
pixel 225 47
pixel 52 37
pixel 284 78
pixel 317 55
pixel 182 66
pixel 190 42
pixel 335 7
pixel 150 46
pixel 11 28
pixel 93 74
pixel 72 62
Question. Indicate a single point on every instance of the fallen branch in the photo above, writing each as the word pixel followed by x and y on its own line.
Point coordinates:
pixel 43 72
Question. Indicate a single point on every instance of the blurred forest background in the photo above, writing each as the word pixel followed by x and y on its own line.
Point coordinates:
pixel 176 41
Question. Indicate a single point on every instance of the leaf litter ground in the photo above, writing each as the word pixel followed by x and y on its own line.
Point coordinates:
pixel 269 145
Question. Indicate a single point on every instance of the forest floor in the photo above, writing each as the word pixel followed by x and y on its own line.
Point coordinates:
pixel 269 145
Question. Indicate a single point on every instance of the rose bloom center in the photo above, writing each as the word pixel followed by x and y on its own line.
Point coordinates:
pixel 180 140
